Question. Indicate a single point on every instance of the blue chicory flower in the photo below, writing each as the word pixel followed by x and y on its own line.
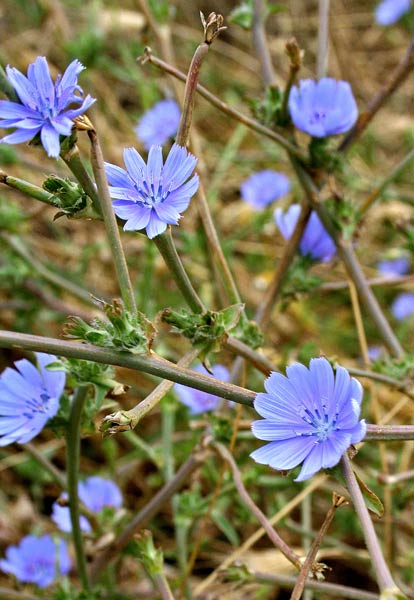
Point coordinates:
pixel 389 12
pixel 375 352
pixel 324 107
pixel 310 416
pixel 43 107
pixel 262 188
pixel 96 493
pixel 158 124
pixel 37 560
pixel 316 241
pixel 152 195
pixel 29 397
pixel 197 400
pixel 395 266
pixel 403 306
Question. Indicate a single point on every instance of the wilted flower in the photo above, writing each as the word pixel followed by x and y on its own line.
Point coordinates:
pixel 395 266
pixel 390 11
pixel 260 189
pixel 152 196
pixel 197 400
pixel 96 493
pixel 316 241
pixel 403 306
pixel 37 560
pixel 28 398
pixel 324 107
pixel 158 124
pixel 43 104
pixel 310 416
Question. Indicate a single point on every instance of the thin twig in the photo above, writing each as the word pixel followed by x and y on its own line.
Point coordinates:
pixel 334 589
pixel 337 501
pixel 225 108
pixel 42 459
pixel 398 76
pixel 274 537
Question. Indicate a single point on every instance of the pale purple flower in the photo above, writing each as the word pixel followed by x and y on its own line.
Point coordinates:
pixel 324 107
pixel 389 12
pixel 310 417
pixel 197 400
pixel 158 124
pixel 262 188
pixel 395 266
pixel 29 397
pixel 403 306
pixel 96 493
pixel 375 352
pixel 316 241
pixel 43 106
pixel 152 195
pixel 38 560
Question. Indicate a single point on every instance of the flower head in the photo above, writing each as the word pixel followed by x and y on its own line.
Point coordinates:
pixel 403 306
pixel 37 560
pixel 316 241
pixel 260 189
pixel 43 104
pixel 197 400
pixel 310 416
pixel 158 124
pixel 395 266
pixel 29 397
pixel 389 12
pixel 324 107
pixel 96 493
pixel 152 195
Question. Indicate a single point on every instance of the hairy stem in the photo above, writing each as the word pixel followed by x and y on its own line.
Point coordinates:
pixel 72 459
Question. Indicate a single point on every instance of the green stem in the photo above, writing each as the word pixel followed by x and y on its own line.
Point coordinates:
pixel 166 246
pixel 73 461
pixel 74 162
pixel 111 225
pixel 34 191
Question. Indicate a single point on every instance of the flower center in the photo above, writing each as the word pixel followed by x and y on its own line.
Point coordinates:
pixel 37 405
pixel 150 194
pixel 323 425
pixel 317 116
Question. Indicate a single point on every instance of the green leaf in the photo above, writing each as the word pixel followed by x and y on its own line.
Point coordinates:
pixel 372 501
pixel 225 527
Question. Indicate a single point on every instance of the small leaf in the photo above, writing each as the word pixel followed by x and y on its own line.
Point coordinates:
pixel 225 527
pixel 372 501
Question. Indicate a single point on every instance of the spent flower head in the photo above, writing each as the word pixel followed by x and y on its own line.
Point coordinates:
pixel 322 108
pixel 403 306
pixel 389 12
pixel 38 560
pixel 197 400
pixel 310 416
pixel 153 195
pixel 43 107
pixel 316 241
pixel 96 493
pixel 29 397
pixel 264 187
pixel 158 124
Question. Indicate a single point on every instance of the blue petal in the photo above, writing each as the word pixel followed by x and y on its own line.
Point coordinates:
pixel 117 177
pixel 39 75
pixel 268 429
pixel 72 113
pixel 324 382
pixel 135 165
pixel 13 110
pixel 154 168
pixel 179 168
pixel 19 136
pixel 50 140
pixel 138 219
pixel 24 88
pixel 181 197
pixel 284 454
pixel 155 226
pixel 167 213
